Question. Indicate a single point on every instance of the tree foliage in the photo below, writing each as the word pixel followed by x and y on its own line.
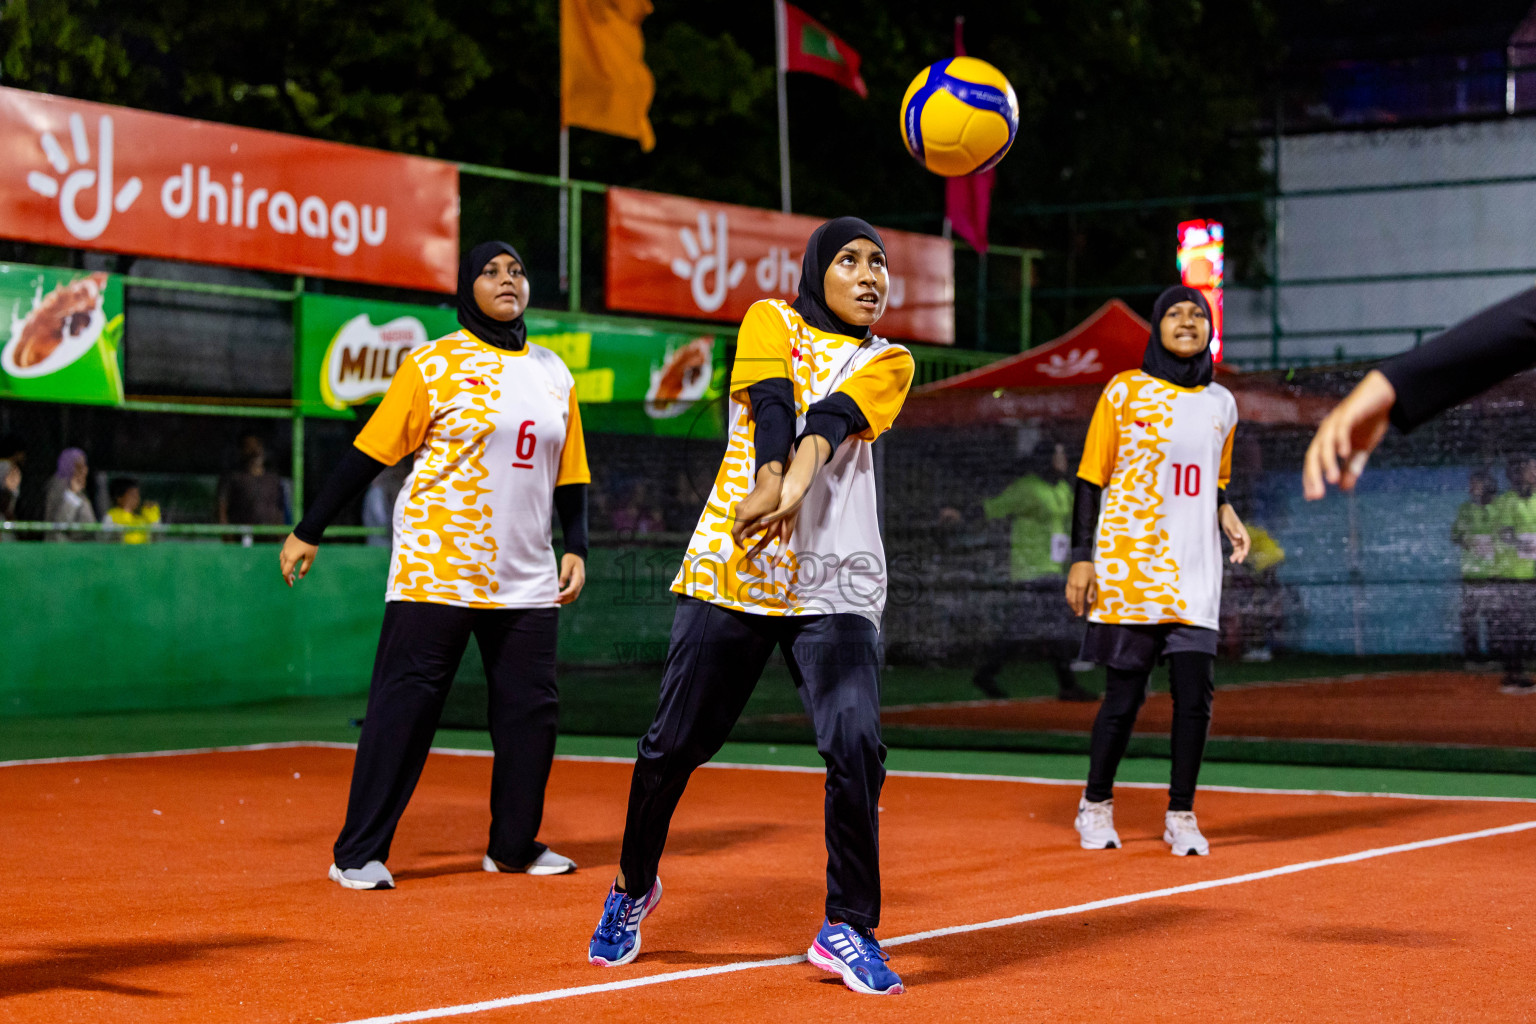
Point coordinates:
pixel 1119 98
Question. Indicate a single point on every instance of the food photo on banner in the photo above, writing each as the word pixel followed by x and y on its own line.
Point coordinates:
pixel 674 256
pixel 630 379
pixel 62 335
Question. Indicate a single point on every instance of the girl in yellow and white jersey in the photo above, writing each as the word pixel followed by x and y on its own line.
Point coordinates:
pixel 1148 516
pixel 495 430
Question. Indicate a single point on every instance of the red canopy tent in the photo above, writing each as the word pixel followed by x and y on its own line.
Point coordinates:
pixel 1112 339
pixel 1062 379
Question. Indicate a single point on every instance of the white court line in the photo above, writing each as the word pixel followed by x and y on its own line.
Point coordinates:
pixel 901 940
pixel 1034 780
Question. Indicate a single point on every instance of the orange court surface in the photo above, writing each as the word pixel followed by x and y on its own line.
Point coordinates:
pixel 1382 707
pixel 191 888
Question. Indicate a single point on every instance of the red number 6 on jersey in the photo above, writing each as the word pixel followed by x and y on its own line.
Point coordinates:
pixel 526 442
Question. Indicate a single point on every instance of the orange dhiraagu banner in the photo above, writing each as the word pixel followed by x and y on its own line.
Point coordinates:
pixel 99 177
pixel 690 258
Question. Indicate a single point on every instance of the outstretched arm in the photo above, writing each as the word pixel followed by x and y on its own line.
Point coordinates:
pixel 1466 360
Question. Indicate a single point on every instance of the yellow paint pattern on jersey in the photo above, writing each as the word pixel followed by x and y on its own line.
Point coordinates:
pixel 1138 581
pixel 449 516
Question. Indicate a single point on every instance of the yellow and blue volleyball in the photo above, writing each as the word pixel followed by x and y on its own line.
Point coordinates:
pixel 959 116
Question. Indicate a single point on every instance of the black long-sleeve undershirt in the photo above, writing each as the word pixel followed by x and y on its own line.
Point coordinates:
pixel 350 478
pixel 836 418
pixel 571 508
pixel 357 470
pixel 1086 498
pixel 773 411
pixel 1466 360
pixel 1085 519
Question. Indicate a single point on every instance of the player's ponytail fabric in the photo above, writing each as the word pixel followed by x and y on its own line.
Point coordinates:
pixel 508 334
pixel 822 248
pixel 1195 371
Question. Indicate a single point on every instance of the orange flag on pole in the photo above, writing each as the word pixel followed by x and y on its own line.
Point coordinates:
pixel 604 83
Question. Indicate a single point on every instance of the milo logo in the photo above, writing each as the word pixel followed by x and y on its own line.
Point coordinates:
pixel 362 358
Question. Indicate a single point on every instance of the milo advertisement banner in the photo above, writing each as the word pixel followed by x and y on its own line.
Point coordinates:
pixel 62 332
pixel 630 378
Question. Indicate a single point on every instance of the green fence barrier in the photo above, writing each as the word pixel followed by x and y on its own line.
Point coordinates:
pixel 92 628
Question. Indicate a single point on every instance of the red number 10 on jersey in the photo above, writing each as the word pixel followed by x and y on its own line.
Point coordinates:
pixel 1186 480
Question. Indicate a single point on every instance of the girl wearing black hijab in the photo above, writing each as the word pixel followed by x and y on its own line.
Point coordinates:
pixel 787 558
pixel 494 430
pixel 1148 515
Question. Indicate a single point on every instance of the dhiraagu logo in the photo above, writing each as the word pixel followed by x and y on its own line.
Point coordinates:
pixel 362 358
pixel 83 177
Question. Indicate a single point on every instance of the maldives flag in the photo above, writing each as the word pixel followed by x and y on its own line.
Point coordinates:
pixel 806 45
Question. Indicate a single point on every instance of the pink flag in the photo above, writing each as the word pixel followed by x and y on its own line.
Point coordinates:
pixel 968 199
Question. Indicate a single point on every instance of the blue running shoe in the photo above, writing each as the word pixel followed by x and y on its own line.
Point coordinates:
pixel 857 956
pixel 617 939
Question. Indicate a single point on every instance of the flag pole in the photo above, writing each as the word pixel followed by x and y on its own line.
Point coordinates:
pixel 565 208
pixel 781 62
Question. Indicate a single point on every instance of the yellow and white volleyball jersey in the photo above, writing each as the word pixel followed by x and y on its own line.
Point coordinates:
pixel 494 432
pixel 835 562
pixel 1160 452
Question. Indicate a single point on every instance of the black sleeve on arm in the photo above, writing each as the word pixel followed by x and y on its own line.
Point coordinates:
pixel 571 507
pixel 773 409
pixel 1221 498
pixel 1466 360
pixel 350 478
pixel 836 418
pixel 1085 519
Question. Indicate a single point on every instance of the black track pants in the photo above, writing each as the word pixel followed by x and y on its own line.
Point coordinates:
pixel 419 651
pixel 714 662
pixel 1191 678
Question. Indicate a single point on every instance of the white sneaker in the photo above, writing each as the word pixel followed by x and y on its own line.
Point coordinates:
pixel 1096 825
pixel 1181 832
pixel 547 863
pixel 373 875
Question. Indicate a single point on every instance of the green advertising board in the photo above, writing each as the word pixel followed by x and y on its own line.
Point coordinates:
pixel 630 378
pixel 62 333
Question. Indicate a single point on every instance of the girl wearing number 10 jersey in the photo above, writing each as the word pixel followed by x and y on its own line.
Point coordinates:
pixel 1148 515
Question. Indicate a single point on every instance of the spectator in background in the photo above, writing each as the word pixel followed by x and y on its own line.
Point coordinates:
pixel 250 495
pixel 1039 508
pixel 13 450
pixel 10 489
pixel 13 458
pixel 129 510
pixel 1476 533
pixel 66 501
pixel 379 502
pixel 1514 565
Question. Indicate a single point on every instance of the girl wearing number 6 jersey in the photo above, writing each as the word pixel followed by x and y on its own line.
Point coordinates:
pixel 1148 514
pixel 491 425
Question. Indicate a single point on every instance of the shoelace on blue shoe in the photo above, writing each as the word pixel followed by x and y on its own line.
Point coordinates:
pixel 860 941
pixel 615 917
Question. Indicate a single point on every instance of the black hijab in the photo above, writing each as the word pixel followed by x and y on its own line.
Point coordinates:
pixel 1192 372
pixel 511 335
pixel 822 248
